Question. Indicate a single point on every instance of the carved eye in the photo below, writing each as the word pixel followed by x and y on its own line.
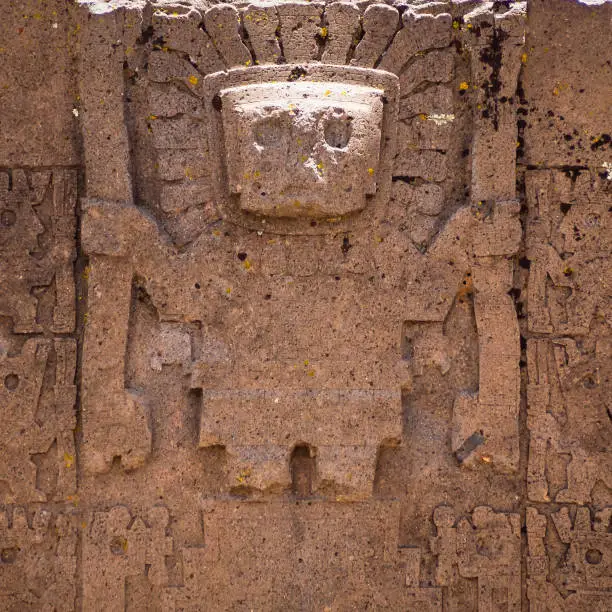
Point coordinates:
pixel 338 131
pixel 267 132
pixel 8 218
pixel 8 555
pixel 118 546
pixel 593 556
pixel 11 381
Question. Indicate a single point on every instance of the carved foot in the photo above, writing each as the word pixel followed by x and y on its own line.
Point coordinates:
pixel 123 433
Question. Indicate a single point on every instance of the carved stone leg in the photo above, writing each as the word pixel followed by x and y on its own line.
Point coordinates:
pixel 351 467
pixel 486 425
pixel 114 420
pixel 259 467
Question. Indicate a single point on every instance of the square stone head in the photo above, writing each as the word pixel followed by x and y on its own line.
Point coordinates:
pixel 302 149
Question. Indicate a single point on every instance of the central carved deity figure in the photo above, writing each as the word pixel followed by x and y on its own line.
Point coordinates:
pixel 288 312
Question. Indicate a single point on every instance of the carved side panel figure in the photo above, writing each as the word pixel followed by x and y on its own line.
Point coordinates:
pixel 124 560
pixel 37 296
pixel 569 559
pixel 485 547
pixel 37 249
pixel 568 241
pixel 569 300
pixel 38 421
pixel 38 557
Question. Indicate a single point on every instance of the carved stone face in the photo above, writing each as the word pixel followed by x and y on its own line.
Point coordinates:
pixel 302 149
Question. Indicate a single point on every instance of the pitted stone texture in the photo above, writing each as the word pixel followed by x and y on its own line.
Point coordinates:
pixel 261 24
pixel 419 33
pixel 486 547
pixel 565 85
pixel 37 248
pixel 38 127
pixel 587 548
pixel 261 429
pixel 496 42
pixel 38 552
pixel 300 26
pixel 222 24
pixel 115 420
pixel 351 550
pixel 343 25
pixel 433 67
pixel 124 558
pixel 568 239
pixel 37 379
pixel 379 23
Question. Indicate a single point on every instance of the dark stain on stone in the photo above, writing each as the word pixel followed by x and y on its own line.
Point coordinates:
pixel 297 73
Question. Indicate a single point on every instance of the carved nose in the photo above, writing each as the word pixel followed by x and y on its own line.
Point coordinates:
pixel 37 225
pixel 308 166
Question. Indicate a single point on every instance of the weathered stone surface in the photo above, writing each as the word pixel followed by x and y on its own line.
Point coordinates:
pixel 379 23
pixel 38 85
pixel 37 250
pixel 585 534
pixel 351 550
pixel 39 559
pixel 305 306
pixel 566 84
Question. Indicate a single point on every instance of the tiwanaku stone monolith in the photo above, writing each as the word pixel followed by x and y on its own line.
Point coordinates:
pixel 305 306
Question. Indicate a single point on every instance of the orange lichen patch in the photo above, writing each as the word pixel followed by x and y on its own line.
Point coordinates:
pixel 466 289
pixel 243 475
pixel 119 545
pixel 463 86
pixel 193 80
